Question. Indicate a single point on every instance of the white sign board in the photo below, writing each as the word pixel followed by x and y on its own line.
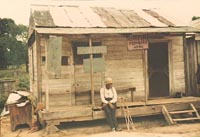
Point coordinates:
pixel 138 43
pixel 92 50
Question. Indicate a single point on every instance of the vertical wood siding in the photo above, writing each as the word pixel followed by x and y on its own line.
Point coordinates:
pixel 123 66
pixel 178 64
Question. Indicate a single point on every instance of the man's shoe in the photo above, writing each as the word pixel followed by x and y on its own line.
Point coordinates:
pixel 118 129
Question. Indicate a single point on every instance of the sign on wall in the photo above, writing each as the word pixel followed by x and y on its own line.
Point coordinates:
pixel 98 65
pixel 54 50
pixel 92 50
pixel 136 43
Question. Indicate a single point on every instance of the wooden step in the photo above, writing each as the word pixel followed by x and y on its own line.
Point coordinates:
pixel 186 119
pixel 167 116
pixel 192 106
pixel 182 111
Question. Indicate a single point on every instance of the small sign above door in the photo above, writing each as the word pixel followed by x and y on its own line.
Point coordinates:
pixel 136 43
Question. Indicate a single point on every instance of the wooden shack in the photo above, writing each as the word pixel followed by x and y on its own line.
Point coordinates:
pixel 72 49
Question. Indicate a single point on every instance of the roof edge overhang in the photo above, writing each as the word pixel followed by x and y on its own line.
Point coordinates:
pixel 56 30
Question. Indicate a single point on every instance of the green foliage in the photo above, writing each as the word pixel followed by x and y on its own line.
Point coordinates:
pixel 3 99
pixel 23 83
pixel 195 17
pixel 13 48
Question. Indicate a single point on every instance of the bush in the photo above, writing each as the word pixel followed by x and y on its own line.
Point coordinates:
pixel 23 83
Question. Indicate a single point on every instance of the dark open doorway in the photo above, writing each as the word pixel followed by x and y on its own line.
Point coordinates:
pixel 158 70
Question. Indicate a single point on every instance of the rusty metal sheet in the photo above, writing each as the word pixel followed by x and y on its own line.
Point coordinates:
pixel 59 17
pixel 158 17
pixel 76 17
pixel 135 18
pixel 153 21
pixel 43 18
pixel 119 17
pixel 94 17
pixel 106 17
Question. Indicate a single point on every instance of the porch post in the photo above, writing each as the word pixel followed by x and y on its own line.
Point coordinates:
pixel 91 72
pixel 146 77
pixel 46 76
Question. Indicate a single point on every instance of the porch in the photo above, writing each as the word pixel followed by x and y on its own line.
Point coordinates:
pixel 137 109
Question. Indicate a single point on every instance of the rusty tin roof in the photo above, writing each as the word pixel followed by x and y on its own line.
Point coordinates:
pixel 45 17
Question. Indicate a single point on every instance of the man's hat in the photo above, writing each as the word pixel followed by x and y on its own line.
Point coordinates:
pixel 108 80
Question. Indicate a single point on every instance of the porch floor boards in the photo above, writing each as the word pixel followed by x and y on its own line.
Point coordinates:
pixel 87 112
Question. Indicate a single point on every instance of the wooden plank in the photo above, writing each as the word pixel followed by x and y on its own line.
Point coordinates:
pixel 46 78
pixel 67 114
pixel 196 112
pixel 54 55
pixel 138 110
pixel 92 50
pixel 186 119
pixel 183 111
pixel 114 30
pixel 167 116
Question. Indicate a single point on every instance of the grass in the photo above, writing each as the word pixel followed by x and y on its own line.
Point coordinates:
pixel 21 78
pixel 19 75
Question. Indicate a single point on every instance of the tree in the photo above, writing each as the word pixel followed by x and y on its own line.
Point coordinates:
pixel 195 17
pixel 13 48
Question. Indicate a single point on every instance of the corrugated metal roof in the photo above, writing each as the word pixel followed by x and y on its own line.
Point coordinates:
pixel 96 17
pixel 196 23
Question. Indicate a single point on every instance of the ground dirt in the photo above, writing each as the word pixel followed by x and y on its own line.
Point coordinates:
pixel 154 126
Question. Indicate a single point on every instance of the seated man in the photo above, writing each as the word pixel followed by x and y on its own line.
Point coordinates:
pixel 108 96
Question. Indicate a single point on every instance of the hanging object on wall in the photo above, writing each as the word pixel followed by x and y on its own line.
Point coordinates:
pixel 136 43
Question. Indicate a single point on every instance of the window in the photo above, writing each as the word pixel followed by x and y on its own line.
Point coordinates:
pixel 43 60
pixel 78 59
pixel 64 61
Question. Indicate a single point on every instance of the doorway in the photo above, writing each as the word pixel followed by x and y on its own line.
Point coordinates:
pixel 158 72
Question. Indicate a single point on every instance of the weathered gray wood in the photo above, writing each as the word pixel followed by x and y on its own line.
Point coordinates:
pixel 186 119
pixel 54 55
pixel 114 30
pixel 79 114
pixel 196 112
pixel 167 115
pixel 93 50
pixel 70 113
pixel 184 111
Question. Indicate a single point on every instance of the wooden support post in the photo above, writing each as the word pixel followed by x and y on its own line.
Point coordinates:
pixel 91 73
pixel 46 77
pixel 186 65
pixel 146 78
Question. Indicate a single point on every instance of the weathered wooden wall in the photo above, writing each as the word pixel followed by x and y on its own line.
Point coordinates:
pixel 177 64
pixel 33 68
pixel 61 88
pixel 191 62
pixel 124 66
